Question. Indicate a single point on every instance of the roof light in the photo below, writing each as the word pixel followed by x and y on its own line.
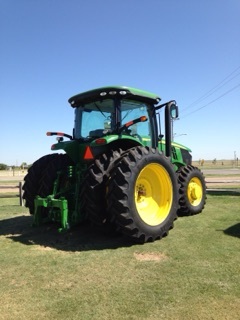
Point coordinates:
pixel 123 92
pixel 102 94
pixel 112 93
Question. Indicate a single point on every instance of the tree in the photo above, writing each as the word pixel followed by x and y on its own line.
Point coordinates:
pixel 214 161
pixel 3 166
pixel 24 165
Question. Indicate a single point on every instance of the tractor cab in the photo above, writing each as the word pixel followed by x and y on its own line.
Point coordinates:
pixel 124 113
pixel 121 117
pixel 114 111
pixel 104 117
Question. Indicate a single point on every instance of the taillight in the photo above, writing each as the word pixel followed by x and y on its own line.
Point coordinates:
pixel 100 141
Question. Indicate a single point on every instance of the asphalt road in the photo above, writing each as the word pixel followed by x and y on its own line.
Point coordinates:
pixel 220 172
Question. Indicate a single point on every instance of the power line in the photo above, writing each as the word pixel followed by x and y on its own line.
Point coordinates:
pixel 214 89
pixel 219 97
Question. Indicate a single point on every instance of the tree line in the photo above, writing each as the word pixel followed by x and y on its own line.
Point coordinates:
pixel 23 166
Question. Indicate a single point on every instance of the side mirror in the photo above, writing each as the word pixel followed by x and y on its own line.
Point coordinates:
pixel 173 110
pixel 171 113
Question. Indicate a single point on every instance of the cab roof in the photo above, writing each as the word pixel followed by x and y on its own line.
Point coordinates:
pixel 111 91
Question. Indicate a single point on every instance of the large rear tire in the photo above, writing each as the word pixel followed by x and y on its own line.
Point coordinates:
pixel 58 164
pixel 56 182
pixel 192 190
pixel 143 194
pixel 94 189
pixel 32 180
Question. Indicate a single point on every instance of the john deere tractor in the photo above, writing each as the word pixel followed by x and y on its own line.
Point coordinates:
pixel 118 169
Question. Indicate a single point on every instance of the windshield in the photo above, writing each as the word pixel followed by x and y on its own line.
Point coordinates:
pixel 98 118
pixel 132 110
pixel 93 118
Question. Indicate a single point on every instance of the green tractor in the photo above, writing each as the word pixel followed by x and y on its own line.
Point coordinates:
pixel 116 171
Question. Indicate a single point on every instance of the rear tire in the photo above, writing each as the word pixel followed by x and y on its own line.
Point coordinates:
pixel 59 163
pixel 94 189
pixel 55 181
pixel 143 194
pixel 192 190
pixel 32 180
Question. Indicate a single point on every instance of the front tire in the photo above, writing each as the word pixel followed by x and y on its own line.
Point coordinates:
pixel 143 194
pixel 192 190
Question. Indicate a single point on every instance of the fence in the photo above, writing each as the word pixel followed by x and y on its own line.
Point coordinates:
pixel 20 192
pixel 21 202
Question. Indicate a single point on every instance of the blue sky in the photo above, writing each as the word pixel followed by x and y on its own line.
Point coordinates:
pixel 185 50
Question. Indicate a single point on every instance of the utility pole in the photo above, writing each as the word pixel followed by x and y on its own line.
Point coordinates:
pixel 172 120
pixel 235 158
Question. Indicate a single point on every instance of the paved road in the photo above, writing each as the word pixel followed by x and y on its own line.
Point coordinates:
pixel 222 177
pixel 221 172
pixel 11 178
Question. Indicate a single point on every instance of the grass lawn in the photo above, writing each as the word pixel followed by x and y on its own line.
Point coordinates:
pixel 194 273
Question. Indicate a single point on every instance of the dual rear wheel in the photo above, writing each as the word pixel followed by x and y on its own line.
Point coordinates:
pixel 137 194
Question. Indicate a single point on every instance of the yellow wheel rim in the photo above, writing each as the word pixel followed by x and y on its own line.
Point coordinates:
pixel 195 191
pixel 153 194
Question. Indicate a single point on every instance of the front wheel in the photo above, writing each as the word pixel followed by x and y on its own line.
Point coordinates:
pixel 142 194
pixel 192 190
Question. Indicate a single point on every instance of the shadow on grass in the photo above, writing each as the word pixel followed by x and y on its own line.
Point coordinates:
pixel 80 238
pixel 233 231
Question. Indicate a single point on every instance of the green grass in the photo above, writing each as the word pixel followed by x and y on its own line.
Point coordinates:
pixel 194 273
